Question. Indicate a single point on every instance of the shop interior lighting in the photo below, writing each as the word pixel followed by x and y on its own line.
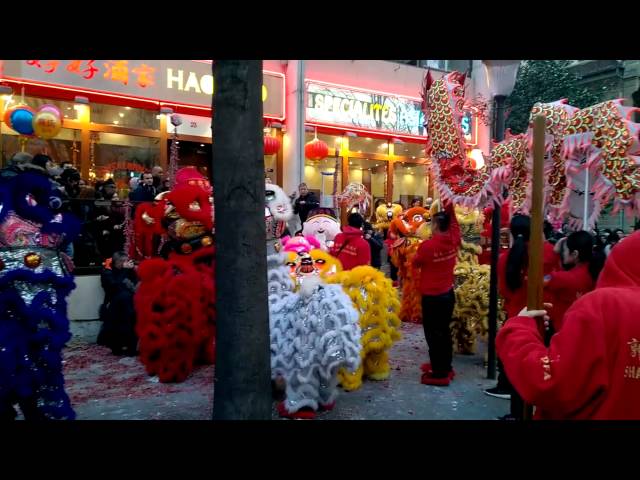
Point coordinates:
pixel 202 144
pixel 121 115
pixel 116 122
pixel 127 108
pixel 383 146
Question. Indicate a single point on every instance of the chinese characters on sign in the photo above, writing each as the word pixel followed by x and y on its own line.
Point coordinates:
pixel 177 82
pixel 633 371
pixel 115 70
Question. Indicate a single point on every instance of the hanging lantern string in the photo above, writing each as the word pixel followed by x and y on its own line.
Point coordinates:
pixel 173 160
pixel 128 227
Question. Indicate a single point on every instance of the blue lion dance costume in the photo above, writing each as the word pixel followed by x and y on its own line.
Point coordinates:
pixel 34 284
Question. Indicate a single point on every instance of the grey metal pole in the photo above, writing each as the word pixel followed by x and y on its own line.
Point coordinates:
pixel 499 122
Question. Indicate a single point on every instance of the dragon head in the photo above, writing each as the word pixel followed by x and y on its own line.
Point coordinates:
pixel 443 102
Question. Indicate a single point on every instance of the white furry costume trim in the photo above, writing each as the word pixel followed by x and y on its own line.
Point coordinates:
pixel 313 333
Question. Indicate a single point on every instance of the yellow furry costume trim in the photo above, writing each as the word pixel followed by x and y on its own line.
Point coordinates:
pixel 471 310
pixel 377 301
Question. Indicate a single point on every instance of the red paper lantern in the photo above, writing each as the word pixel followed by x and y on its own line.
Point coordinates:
pixel 316 149
pixel 271 145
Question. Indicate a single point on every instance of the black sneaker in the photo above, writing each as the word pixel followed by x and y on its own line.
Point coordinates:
pixel 508 418
pixel 498 393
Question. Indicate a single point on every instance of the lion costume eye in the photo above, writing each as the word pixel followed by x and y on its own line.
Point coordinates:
pixel 417 218
pixel 321 261
pixel 269 195
pixel 31 201
pixel 194 206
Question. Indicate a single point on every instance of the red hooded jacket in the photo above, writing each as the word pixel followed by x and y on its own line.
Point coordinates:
pixel 351 248
pixel 591 370
pixel 436 258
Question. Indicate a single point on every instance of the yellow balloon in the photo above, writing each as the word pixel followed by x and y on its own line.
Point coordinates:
pixel 46 124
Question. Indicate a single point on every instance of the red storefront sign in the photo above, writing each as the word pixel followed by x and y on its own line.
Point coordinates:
pixel 185 85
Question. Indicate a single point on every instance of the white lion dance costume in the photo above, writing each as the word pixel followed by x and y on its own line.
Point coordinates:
pixel 372 295
pixel 314 332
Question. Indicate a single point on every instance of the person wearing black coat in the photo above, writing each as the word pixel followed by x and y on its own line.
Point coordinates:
pixel 305 202
pixel 375 243
pixel 117 312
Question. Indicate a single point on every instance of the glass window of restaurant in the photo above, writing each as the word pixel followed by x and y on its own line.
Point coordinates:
pixel 64 148
pixel 368 163
pixel 410 182
pixel 319 174
pixel 100 141
pixel 122 157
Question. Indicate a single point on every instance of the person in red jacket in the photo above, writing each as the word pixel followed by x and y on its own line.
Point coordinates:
pixel 563 287
pixel 512 286
pixel 591 369
pixel 349 246
pixel 436 259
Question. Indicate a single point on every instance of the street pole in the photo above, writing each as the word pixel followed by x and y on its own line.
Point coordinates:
pixel 499 122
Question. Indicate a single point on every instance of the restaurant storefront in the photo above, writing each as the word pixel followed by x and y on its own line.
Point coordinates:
pixel 374 138
pixel 116 113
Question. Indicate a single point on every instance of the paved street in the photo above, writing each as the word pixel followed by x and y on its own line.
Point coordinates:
pixel 105 387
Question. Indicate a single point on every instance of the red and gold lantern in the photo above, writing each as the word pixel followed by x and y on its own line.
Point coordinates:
pixel 316 149
pixel 271 145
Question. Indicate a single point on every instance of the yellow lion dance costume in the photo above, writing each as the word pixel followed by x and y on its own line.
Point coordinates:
pixel 385 214
pixel 377 301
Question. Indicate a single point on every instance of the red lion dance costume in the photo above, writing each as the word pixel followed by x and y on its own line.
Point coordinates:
pixel 175 300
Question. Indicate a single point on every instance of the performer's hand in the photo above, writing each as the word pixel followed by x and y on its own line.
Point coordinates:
pixel 537 313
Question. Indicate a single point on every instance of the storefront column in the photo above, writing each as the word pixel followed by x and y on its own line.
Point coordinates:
pixel 164 147
pixel 479 87
pixel 293 139
pixel 84 117
pixel 389 181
